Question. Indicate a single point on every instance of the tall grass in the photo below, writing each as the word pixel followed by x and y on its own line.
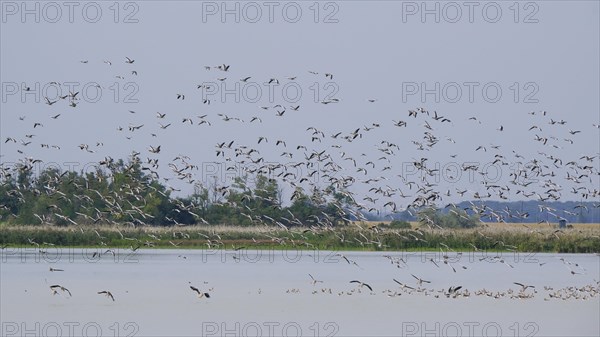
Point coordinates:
pixel 363 236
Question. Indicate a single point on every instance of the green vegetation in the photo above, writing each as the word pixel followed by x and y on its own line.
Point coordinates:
pixel 396 224
pixel 359 236
pixel 122 193
pixel 120 205
pixel 455 218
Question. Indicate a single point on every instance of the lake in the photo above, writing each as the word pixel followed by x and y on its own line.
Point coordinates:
pixel 270 293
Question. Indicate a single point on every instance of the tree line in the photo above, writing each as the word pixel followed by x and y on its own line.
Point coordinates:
pixel 122 192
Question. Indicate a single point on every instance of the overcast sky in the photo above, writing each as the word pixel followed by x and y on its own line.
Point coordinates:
pixel 495 61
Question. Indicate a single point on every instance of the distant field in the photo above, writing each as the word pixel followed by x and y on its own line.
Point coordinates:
pixel 582 238
pixel 500 225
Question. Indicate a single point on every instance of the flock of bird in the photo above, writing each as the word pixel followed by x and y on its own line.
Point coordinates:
pixel 415 285
pixel 333 158
pixel 374 181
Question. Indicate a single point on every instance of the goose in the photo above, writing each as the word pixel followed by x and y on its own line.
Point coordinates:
pixel 223 67
pixel 362 284
pixel 107 293
pixel 155 149
pixel 453 290
pixel 130 61
pixel 200 294
pixel 523 286
pixel 313 280
pixel 420 280
pixel 404 286
pixel 57 286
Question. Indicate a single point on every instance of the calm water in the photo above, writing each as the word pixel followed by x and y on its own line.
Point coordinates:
pixel 269 293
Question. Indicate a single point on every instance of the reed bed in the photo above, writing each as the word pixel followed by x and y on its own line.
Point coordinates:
pixel 582 238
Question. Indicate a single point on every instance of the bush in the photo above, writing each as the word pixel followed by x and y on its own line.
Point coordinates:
pixel 399 224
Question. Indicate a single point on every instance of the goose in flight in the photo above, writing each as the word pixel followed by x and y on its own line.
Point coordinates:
pixel 523 286
pixel 107 293
pixel 420 280
pixel 362 284
pixel 200 294
pixel 313 280
pixel 452 290
pixel 223 67
pixel 49 102
pixel 154 149
pixel 129 60
pixel 57 286
pixel 403 285
pixel 54 269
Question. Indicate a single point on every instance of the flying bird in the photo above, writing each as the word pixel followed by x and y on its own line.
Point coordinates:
pixel 523 286
pixel 362 284
pixel 200 293
pixel 107 293
pixel 57 286
pixel 313 280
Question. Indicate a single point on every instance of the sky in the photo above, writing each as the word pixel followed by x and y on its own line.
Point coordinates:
pixel 483 66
